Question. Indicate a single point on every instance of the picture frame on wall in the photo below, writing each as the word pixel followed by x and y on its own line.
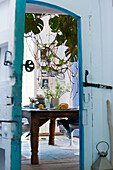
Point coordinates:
pixel 45 83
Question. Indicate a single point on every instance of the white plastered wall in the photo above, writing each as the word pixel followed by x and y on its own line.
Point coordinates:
pixel 29 78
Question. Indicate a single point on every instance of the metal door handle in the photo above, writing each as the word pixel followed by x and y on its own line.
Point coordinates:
pixel 7 62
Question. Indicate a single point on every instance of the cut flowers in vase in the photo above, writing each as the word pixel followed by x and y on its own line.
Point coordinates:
pixel 33 100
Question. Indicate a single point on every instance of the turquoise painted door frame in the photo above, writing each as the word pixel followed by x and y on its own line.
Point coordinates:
pixel 17 89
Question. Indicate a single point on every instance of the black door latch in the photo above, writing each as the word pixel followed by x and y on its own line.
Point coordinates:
pixel 86 84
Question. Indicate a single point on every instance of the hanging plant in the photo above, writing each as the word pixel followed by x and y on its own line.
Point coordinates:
pixel 65 28
pixel 33 23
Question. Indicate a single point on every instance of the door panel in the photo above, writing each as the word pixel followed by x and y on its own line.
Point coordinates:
pixel 11 50
pixel 5 101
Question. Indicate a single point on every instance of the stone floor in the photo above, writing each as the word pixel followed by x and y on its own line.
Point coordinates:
pixel 58 157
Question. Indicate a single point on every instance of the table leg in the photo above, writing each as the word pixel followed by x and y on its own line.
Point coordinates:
pixel 52 131
pixel 34 138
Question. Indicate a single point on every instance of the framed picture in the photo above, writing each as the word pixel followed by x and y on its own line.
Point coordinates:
pixel 45 83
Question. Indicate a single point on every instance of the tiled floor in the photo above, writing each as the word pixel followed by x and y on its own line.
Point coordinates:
pixel 58 157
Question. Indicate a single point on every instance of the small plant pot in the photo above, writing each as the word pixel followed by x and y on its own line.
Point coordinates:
pixel 32 105
pixel 55 102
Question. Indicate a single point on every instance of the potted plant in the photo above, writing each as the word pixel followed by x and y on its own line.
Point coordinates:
pixel 33 101
pixel 41 99
pixel 60 89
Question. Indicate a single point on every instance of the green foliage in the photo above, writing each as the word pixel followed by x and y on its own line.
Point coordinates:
pixel 50 69
pixel 52 55
pixel 45 45
pixel 66 28
pixel 33 23
pixel 48 93
pixel 61 88
pixel 45 67
pixel 57 107
pixel 42 56
pixel 61 62
pixel 53 22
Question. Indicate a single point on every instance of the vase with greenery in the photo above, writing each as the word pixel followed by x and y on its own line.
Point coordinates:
pixel 48 95
pixel 60 89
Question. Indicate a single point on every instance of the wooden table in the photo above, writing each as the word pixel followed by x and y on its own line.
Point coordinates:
pixel 38 118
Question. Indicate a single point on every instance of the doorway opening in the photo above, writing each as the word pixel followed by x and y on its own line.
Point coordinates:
pixel 44 49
